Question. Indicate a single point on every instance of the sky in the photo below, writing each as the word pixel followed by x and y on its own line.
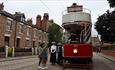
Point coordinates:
pixel 32 8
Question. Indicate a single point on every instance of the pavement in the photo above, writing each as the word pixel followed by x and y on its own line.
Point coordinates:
pixel 109 57
pixel 16 58
pixel 102 62
pixel 19 63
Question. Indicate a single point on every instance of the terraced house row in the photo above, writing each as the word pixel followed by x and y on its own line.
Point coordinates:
pixel 17 32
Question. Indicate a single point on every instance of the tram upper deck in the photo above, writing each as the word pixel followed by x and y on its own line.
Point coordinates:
pixel 76 18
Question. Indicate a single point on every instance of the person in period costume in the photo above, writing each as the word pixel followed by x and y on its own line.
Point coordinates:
pixel 44 58
pixel 40 49
pixel 59 48
pixel 53 53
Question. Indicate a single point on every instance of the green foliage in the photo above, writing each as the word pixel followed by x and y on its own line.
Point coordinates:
pixel 105 26
pixel 54 33
pixel 111 3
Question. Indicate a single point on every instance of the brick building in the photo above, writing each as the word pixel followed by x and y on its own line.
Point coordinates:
pixel 15 31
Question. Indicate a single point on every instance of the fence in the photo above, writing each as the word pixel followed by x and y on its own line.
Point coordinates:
pixel 16 52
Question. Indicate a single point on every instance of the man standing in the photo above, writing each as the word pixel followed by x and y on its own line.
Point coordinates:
pixel 53 53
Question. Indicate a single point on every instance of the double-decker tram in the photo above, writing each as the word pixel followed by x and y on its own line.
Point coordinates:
pixel 77 48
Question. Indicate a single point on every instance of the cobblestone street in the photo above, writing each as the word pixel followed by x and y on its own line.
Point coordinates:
pixel 19 63
pixel 31 63
pixel 99 63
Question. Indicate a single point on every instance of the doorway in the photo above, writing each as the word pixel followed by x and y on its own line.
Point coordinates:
pixel 18 42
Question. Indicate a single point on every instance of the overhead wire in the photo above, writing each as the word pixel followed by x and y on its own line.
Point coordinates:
pixel 48 9
pixel 45 5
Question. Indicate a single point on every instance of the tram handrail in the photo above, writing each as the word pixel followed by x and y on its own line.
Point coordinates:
pixel 85 10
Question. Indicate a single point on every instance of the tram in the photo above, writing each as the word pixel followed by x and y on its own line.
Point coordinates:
pixel 77 48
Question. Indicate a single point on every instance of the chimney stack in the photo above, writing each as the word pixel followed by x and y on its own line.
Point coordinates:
pixel 38 21
pixel 1 6
pixel 44 21
pixel 19 16
pixel 46 16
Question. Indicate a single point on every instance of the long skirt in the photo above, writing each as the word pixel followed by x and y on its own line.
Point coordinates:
pixel 53 58
pixel 59 57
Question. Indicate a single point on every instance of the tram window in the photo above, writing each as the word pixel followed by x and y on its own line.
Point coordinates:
pixel 74 39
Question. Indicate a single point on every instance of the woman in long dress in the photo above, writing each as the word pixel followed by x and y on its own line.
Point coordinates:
pixel 59 60
pixel 53 53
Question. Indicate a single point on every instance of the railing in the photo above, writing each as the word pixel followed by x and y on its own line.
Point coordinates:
pixel 22 52
pixel 16 52
pixel 85 10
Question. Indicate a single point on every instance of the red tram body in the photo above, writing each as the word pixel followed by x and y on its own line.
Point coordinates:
pixel 77 48
pixel 83 51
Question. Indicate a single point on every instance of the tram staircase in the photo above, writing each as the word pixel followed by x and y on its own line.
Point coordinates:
pixel 85 35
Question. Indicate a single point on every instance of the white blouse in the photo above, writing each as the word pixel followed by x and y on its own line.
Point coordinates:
pixel 53 48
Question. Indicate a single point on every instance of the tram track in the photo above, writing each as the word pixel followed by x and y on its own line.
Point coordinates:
pixel 102 63
pixel 108 58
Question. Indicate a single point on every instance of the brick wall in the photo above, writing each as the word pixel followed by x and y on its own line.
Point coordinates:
pixel 22 36
pixel 2 21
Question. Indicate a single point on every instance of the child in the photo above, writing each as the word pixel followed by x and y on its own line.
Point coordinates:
pixel 44 57
pixel 40 49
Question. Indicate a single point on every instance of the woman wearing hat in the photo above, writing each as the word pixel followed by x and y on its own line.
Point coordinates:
pixel 59 59
pixel 53 53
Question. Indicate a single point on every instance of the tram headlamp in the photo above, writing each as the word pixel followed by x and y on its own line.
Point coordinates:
pixel 75 51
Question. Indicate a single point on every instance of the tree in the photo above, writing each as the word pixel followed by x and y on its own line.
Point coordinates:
pixel 111 3
pixel 105 26
pixel 54 33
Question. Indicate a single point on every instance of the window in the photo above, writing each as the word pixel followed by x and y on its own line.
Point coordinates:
pixel 8 25
pixel 18 42
pixel 35 32
pixel 27 43
pixel 6 40
pixel 40 37
pixel 22 19
pixel 21 28
pixel 28 32
pixel 34 44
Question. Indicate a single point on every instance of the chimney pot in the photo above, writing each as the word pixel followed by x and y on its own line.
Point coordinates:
pixel 38 16
pixel 46 16
pixel 38 21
